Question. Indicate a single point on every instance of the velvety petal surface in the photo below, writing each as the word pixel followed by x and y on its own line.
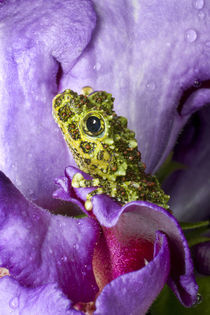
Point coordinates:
pixel 45 300
pixel 134 292
pixel 189 187
pixel 37 37
pixel 39 248
pixel 201 257
pixel 141 220
pixel 148 53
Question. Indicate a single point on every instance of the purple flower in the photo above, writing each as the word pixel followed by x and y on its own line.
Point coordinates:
pixel 152 55
pixel 122 257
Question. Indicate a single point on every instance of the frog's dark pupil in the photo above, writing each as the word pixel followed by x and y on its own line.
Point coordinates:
pixel 93 124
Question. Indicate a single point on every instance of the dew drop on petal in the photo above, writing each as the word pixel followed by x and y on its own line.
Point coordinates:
pixel 14 302
pixel 198 4
pixel 199 299
pixel 201 15
pixel 197 84
pixel 35 216
pixel 207 45
pixel 196 70
pixel 76 246
pixel 191 35
pixel 97 66
pixel 151 85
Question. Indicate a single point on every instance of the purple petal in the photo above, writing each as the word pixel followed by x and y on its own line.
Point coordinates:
pixel 141 219
pixel 163 48
pixel 153 218
pixel 201 257
pixel 40 248
pixel 106 211
pixel 68 193
pixel 46 299
pixel 40 40
pixel 189 188
pixel 155 51
pixel 134 292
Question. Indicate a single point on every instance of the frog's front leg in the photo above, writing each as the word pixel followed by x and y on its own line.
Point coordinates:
pixel 78 181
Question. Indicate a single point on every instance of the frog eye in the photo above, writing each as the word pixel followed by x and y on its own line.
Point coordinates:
pixel 93 125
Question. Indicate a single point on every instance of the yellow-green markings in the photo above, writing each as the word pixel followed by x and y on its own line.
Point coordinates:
pixel 105 148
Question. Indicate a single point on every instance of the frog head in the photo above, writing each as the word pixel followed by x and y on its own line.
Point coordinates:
pixel 100 141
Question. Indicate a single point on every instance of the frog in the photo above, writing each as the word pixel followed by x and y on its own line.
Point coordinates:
pixel 104 147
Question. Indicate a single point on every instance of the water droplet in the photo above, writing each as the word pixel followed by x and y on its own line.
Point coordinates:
pixel 198 4
pixel 199 299
pixel 97 66
pixel 14 302
pixel 151 85
pixel 76 246
pixel 36 216
pixel 14 166
pixel 64 258
pixel 191 35
pixel 197 84
pixel 201 15
pixel 207 44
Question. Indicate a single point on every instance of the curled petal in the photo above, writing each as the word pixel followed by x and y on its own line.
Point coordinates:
pixel 40 248
pixel 141 220
pixel 151 218
pixel 134 292
pixel 67 192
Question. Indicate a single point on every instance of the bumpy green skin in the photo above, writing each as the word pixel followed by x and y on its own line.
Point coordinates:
pixel 111 155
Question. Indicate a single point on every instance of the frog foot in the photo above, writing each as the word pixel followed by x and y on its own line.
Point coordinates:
pixel 78 181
